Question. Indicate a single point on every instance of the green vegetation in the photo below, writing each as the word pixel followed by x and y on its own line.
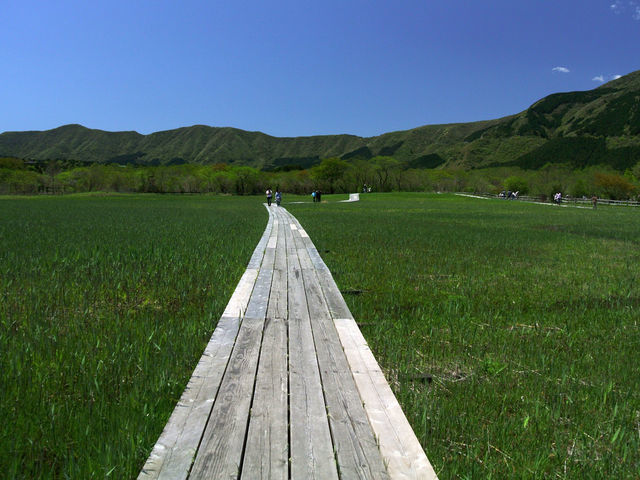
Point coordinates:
pixel 509 331
pixel 561 143
pixel 382 174
pixel 106 305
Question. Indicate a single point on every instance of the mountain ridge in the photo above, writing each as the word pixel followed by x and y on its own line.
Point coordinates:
pixel 548 128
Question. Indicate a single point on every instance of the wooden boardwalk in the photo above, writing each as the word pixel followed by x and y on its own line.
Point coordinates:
pixel 287 387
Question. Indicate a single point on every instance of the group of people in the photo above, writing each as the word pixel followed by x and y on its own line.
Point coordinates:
pixel 316 195
pixel 509 195
pixel 278 195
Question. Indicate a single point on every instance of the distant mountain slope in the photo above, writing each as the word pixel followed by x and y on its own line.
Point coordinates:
pixel 581 128
pixel 197 144
pixel 600 126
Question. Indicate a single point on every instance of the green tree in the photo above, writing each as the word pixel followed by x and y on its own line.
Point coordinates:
pixel 516 184
pixel 614 186
pixel 329 172
pixel 247 180
pixel 385 169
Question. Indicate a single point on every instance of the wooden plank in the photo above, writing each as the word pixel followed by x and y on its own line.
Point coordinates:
pixel 278 296
pixel 335 301
pixel 220 452
pixel 240 299
pixel 311 447
pixel 356 447
pixel 174 451
pixel 256 258
pixel 280 262
pixel 403 455
pixel 267 450
pixel 257 307
pixel 400 448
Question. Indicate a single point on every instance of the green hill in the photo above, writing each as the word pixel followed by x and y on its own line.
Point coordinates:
pixel 600 126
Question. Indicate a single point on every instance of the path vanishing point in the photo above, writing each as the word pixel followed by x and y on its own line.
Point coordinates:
pixel 287 387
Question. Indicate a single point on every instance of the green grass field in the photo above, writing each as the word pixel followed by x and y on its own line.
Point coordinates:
pixel 509 331
pixel 106 305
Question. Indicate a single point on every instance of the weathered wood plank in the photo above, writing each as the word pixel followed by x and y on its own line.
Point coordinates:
pixel 311 447
pixel 259 301
pixel 240 298
pixel 400 448
pixel 256 258
pixel 278 296
pixel 267 450
pixel 403 455
pixel 356 447
pixel 220 452
pixel 267 447
pixel 335 301
pixel 174 451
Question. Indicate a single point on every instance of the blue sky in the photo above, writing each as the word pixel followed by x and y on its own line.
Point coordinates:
pixel 293 68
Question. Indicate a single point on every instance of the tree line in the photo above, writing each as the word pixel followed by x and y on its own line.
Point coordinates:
pixel 331 175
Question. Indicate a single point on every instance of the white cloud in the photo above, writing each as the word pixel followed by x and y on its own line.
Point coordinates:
pixel 560 69
pixel 633 6
pixel 603 78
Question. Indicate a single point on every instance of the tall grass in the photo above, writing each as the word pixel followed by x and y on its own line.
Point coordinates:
pixel 106 304
pixel 509 332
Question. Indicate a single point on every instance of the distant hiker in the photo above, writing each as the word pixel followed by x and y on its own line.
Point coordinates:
pixel 269 195
pixel 278 197
pixel 319 196
pixel 594 200
pixel 313 196
pixel 557 198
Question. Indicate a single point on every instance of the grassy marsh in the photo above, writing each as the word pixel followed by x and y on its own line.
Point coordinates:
pixel 509 331
pixel 106 304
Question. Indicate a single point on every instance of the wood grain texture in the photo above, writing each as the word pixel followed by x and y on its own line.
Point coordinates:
pixel 220 452
pixel 267 448
pixel 355 445
pixel 400 448
pixel 174 451
pixel 312 454
pixel 402 453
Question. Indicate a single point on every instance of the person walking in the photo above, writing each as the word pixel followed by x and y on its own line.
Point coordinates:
pixel 269 195
pixel 278 197
pixel 594 200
